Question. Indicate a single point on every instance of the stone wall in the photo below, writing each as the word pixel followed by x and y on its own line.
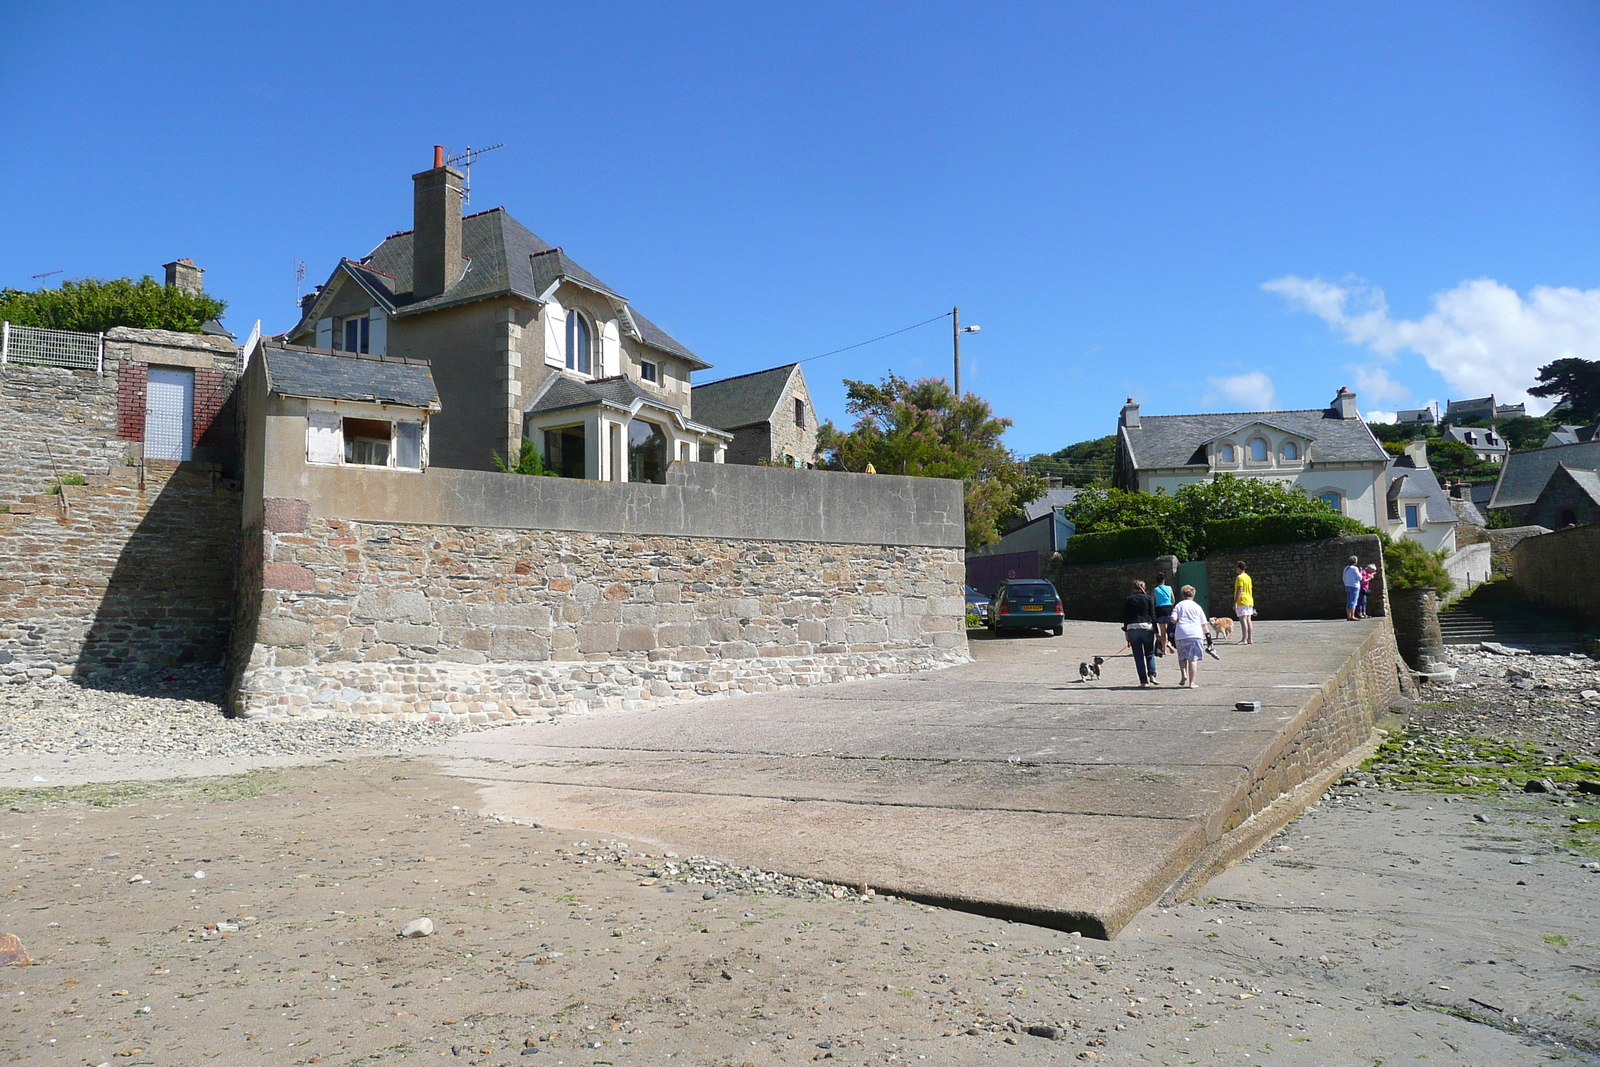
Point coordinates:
pixel 1096 591
pixel 121 577
pixel 1561 570
pixel 1330 725
pixel 1296 581
pixel 380 619
pixel 1503 541
pixel 54 420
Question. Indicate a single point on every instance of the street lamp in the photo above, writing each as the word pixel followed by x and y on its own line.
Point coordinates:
pixel 956 331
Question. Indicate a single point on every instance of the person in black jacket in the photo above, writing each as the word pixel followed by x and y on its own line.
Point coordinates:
pixel 1139 623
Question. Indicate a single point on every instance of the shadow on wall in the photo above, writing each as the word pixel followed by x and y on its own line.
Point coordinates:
pixel 168 599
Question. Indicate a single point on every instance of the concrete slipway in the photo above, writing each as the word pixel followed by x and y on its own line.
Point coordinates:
pixel 1005 785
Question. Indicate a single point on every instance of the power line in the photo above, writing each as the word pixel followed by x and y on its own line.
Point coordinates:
pixel 859 344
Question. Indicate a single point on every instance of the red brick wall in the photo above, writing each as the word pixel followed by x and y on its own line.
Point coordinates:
pixel 210 390
pixel 132 378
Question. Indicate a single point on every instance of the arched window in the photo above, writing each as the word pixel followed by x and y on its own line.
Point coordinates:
pixel 1226 454
pixel 1258 450
pixel 580 343
pixel 1291 451
pixel 1333 500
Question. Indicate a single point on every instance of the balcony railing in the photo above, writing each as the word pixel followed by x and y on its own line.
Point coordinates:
pixel 52 348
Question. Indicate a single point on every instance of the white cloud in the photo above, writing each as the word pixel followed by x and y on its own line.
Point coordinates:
pixel 1481 337
pixel 1252 391
pixel 1380 416
pixel 1375 384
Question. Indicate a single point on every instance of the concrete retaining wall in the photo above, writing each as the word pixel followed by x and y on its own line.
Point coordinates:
pixel 1468 567
pixel 1561 570
pixel 123 577
pixel 1296 581
pixel 1096 591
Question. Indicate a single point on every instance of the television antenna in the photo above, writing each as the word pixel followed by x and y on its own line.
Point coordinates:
pixel 299 279
pixel 46 274
pixel 464 162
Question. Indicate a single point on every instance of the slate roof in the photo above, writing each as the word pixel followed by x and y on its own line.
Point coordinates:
pixel 744 400
pixel 1412 482
pixel 1570 435
pixel 1052 499
pixel 1467 512
pixel 564 393
pixel 1524 474
pixel 1588 481
pixel 325 375
pixel 1474 437
pixel 1178 440
pixel 502 257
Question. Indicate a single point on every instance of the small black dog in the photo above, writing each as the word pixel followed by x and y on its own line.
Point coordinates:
pixel 1086 671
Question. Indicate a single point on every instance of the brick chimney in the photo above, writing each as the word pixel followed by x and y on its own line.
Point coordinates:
pixel 436 225
pixel 1417 453
pixel 1130 415
pixel 1344 405
pixel 183 274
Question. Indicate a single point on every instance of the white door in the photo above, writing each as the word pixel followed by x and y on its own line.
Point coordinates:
pixel 168 413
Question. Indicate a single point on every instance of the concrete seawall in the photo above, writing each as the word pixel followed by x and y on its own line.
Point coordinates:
pixel 1006 787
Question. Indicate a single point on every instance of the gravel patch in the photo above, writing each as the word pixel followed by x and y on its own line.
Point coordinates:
pixel 1546 698
pixel 179 714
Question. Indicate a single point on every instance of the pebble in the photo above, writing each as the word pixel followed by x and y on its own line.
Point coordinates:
pixel 417 928
pixel 1523 859
pixel 180 714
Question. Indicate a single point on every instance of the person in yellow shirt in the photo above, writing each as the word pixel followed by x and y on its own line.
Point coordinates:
pixel 1244 602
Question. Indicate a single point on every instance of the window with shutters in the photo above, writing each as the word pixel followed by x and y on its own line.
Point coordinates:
pixel 580 343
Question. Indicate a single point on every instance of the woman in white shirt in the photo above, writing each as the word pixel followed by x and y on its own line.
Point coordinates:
pixel 1189 627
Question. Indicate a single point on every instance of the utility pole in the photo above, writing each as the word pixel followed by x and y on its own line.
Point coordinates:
pixel 955 333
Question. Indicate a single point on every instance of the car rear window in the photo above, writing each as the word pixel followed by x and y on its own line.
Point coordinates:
pixel 1031 589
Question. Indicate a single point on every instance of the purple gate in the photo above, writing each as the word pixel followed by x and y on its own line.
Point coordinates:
pixel 985 573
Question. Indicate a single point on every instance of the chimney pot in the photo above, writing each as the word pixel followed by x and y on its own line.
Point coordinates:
pixel 438 155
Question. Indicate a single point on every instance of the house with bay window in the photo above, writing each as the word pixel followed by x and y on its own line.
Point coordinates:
pixel 522 341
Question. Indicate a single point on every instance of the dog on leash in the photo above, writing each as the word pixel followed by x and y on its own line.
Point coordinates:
pixel 1224 627
pixel 1090 671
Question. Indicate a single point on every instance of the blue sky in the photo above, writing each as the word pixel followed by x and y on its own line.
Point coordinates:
pixel 1223 209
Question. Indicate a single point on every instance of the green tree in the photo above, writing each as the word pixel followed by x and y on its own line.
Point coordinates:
pixel 1524 431
pixel 1407 565
pixel 1388 432
pixel 93 305
pixel 1576 384
pixel 1184 514
pixel 1083 464
pixel 920 428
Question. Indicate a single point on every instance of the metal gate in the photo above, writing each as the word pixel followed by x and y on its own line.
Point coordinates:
pixel 1194 573
pixel 168 413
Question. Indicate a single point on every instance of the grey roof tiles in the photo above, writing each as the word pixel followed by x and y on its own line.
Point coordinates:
pixel 325 375
pixel 1164 441
pixel 744 400
pixel 1524 474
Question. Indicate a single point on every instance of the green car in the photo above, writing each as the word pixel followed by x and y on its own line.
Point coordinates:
pixel 1026 604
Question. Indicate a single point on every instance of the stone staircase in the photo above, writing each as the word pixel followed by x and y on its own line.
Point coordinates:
pixel 1498 611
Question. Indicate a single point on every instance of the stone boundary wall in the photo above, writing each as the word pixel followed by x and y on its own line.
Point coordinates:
pixel 1328 726
pixel 1561 570
pixel 1095 591
pixel 444 622
pixel 75 411
pixel 1503 542
pixel 124 577
pixel 1304 580
pixel 1468 567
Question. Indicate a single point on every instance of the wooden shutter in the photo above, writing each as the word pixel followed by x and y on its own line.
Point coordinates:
pixel 378 332
pixel 324 440
pixel 325 332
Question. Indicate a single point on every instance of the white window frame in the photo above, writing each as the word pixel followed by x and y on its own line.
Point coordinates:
pixel 1339 498
pixel 1228 454
pixel 575 319
pixel 1284 449
pixel 1266 451
pixel 650 371
pixel 322 411
pixel 1413 516
pixel 363 324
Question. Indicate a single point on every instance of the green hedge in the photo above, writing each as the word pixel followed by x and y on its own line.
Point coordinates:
pixel 1228 535
pixel 1137 542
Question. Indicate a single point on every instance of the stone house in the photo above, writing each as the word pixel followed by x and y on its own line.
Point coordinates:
pixel 1550 487
pixel 1328 452
pixel 768 412
pixel 523 344
pixel 1484 442
pixel 1481 408
pixel 1427 416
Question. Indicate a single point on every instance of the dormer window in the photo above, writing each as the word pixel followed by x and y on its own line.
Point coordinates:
pixel 580 343
pixel 1258 450
pixel 1291 451
pixel 357 333
pixel 1227 454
